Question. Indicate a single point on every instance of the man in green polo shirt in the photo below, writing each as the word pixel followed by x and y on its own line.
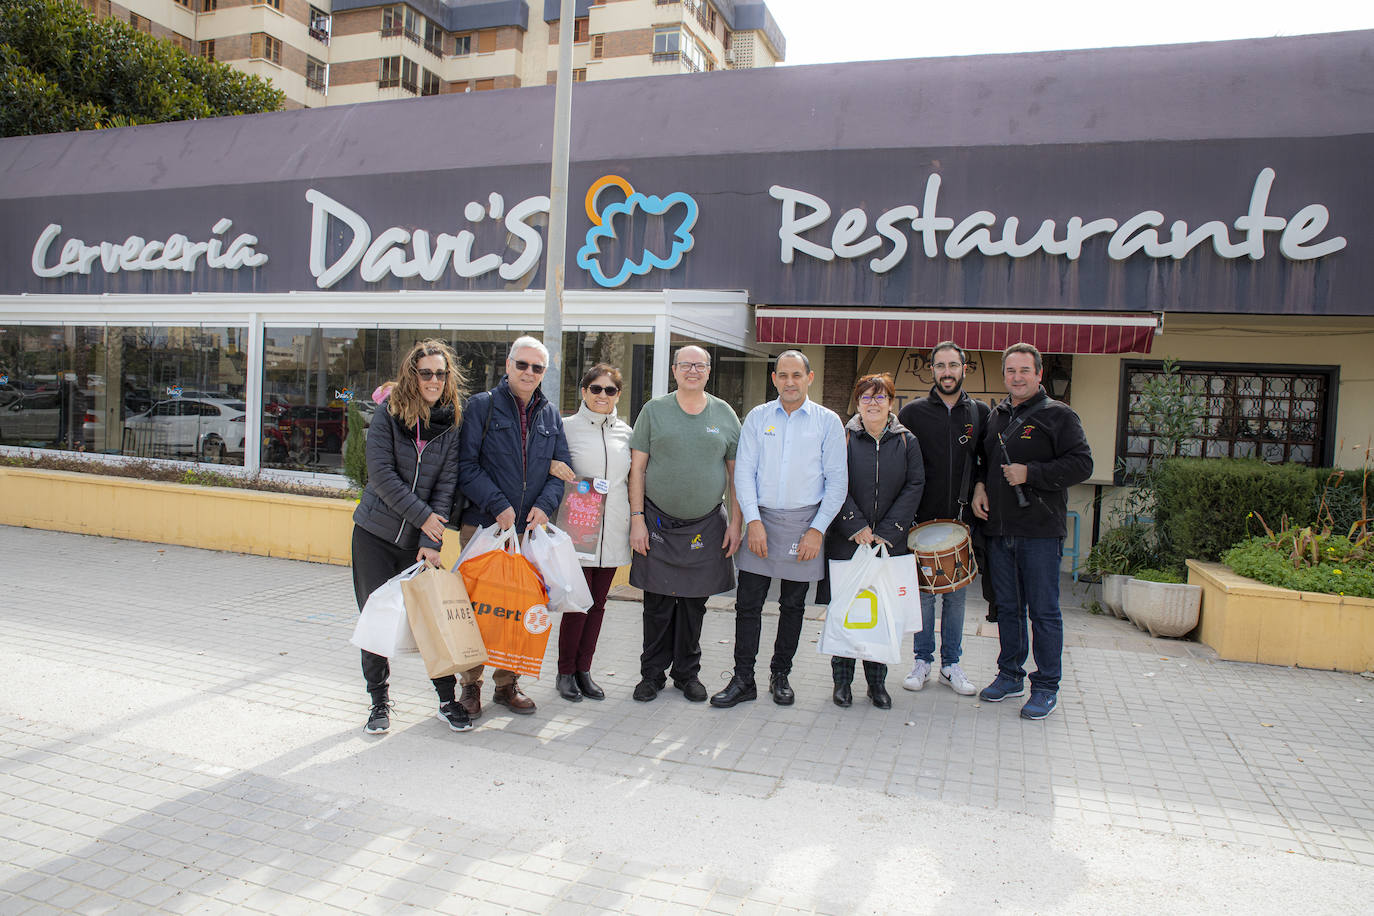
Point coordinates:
pixel 682 463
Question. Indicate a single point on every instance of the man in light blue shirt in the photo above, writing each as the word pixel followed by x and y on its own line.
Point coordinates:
pixel 791 476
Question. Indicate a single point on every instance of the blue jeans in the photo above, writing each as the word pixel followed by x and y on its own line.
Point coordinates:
pixel 1025 575
pixel 951 628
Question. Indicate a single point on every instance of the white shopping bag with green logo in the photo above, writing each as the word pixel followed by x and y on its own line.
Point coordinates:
pixel 865 617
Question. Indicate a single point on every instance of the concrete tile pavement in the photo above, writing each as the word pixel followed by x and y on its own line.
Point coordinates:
pixel 182 733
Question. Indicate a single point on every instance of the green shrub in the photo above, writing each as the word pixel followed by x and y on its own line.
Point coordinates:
pixel 1121 551
pixel 1256 558
pixel 1171 576
pixel 355 448
pixel 1203 506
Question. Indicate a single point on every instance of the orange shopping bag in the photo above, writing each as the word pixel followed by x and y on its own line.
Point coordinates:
pixel 511 605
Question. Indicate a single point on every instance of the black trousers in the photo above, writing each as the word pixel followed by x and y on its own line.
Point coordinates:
pixel 374 562
pixel 749 597
pixel 672 637
pixel 980 556
pixel 842 670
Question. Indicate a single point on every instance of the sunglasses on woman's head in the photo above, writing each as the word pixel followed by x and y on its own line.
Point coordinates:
pixel 427 374
pixel 521 366
pixel 608 390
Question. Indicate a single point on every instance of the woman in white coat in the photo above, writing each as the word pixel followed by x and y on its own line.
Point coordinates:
pixel 600 444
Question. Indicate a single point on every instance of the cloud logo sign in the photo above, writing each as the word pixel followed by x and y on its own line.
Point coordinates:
pixel 603 227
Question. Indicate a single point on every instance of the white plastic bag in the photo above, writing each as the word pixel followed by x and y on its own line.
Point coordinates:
pixel 483 541
pixel 551 551
pixel 865 617
pixel 383 628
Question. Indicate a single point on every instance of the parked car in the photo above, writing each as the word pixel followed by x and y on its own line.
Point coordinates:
pixel 30 416
pixel 318 429
pixel 208 427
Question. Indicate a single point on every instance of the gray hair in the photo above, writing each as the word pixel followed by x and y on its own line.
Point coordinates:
pixel 794 354
pixel 532 343
pixel 678 352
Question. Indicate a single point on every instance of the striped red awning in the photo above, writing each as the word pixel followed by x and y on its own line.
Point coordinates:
pixel 1049 332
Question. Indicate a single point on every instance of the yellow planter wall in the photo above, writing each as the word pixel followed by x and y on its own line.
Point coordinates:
pixel 1248 621
pixel 215 518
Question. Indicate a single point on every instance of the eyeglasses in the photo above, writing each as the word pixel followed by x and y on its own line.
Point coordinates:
pixel 873 399
pixel 942 367
pixel 608 390
pixel 427 374
pixel 522 366
pixel 694 367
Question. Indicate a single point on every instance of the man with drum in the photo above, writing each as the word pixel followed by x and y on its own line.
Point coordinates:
pixel 948 424
pixel 1042 451
pixel 791 476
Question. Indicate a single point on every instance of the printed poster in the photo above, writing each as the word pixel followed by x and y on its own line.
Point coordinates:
pixel 580 514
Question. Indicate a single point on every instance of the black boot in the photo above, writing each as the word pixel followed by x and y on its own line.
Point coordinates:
pixel 843 696
pixel 567 688
pixel 588 686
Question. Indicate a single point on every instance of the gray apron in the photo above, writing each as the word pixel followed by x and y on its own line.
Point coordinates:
pixel 785 528
pixel 685 557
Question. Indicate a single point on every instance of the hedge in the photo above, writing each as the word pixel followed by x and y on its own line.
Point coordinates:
pixel 1203 506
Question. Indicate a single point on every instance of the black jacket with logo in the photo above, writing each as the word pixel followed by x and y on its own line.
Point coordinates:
pixel 1051 443
pixel 945 435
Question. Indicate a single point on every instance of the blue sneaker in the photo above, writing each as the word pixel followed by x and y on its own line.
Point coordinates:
pixel 1001 688
pixel 1040 704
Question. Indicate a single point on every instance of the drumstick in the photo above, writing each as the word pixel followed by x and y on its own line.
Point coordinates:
pixel 1016 487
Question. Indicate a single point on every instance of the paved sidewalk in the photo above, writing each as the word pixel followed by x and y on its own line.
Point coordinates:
pixel 182 733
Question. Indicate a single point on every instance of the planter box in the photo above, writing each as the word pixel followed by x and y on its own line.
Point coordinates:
pixel 1112 593
pixel 215 518
pixel 1162 608
pixel 1248 621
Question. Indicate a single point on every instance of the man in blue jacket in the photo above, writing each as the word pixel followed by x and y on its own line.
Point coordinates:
pixel 509 436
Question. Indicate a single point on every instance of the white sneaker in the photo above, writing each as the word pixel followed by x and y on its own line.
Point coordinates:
pixel 953 678
pixel 917 678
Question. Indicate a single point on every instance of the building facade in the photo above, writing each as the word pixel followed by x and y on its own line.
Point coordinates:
pixel 1109 206
pixel 340 52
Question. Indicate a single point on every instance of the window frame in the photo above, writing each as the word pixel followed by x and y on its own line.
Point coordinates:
pixel 1323 452
pixel 270 51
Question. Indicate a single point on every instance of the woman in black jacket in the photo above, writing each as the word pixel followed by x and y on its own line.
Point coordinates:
pixel 412 479
pixel 886 477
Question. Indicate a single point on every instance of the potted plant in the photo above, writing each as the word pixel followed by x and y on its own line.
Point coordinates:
pixel 1160 602
pixel 1113 558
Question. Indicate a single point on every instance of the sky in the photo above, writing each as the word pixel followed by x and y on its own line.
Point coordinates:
pixel 831 31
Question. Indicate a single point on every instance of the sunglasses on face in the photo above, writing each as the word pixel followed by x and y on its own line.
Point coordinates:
pixel 427 374
pixel 608 390
pixel 522 366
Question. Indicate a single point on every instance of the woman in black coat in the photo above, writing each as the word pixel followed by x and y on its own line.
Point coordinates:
pixel 886 477
pixel 412 479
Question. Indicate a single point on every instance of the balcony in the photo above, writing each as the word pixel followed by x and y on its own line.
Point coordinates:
pixel 408 85
pixel 319 33
pixel 392 31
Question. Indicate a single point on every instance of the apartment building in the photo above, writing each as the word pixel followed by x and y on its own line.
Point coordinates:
pixel 338 52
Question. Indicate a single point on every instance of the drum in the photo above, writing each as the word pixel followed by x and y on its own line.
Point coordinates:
pixel 944 555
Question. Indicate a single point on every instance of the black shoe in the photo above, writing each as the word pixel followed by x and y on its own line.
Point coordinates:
pixel 379 720
pixel 781 690
pixel 646 690
pixel 588 687
pixel 567 688
pixel 693 689
pixel 455 715
pixel 880 697
pixel 843 696
pixel 737 691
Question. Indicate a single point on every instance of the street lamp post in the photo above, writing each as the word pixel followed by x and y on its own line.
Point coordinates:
pixel 558 209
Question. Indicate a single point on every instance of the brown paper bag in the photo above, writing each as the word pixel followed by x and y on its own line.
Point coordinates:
pixel 441 618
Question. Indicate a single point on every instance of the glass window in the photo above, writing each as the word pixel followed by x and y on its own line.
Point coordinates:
pixel 1275 413
pixel 125 390
pixel 667 41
